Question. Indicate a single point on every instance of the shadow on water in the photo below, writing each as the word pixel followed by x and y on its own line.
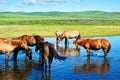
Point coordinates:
pixel 89 65
pixel 23 70
pixel 77 66
pixel 67 51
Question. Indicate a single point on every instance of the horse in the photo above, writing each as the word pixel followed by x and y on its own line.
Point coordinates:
pixel 48 51
pixel 68 35
pixel 8 46
pixel 94 44
pixel 31 41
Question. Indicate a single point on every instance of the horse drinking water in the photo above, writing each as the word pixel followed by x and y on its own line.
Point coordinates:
pixel 68 35
pixel 31 41
pixel 8 46
pixel 94 44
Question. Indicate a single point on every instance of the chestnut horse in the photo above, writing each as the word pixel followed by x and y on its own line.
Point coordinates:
pixel 48 51
pixel 94 45
pixel 8 46
pixel 31 41
pixel 68 35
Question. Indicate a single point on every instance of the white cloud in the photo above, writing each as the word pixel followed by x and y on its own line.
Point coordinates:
pixel 30 1
pixel 77 1
pixel 51 1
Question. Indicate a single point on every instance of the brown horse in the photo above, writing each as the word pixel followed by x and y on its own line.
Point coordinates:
pixel 94 45
pixel 31 41
pixel 48 51
pixel 68 35
pixel 8 46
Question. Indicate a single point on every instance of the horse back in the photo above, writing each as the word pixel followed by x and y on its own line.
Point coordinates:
pixel 71 34
pixel 90 43
pixel 8 45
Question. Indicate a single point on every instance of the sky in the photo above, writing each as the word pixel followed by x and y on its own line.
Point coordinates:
pixel 59 5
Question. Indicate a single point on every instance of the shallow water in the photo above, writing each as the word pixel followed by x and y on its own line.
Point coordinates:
pixel 77 66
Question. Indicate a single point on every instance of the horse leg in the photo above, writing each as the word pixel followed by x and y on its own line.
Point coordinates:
pixel 7 56
pixel 15 53
pixel 105 52
pixel 49 64
pixel 88 52
pixel 66 41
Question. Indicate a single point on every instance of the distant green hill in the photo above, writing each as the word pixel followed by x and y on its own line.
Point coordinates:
pixel 16 17
pixel 100 15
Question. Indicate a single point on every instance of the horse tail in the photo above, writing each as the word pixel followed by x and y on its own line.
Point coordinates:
pixel 109 47
pixel 56 54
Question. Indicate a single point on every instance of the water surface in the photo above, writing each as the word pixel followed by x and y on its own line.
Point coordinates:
pixel 77 66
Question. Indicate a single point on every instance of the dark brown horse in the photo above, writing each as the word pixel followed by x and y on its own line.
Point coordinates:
pixel 31 41
pixel 8 46
pixel 94 44
pixel 68 35
pixel 48 51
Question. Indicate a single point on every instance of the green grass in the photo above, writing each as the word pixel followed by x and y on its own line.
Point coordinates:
pixel 13 31
pixel 88 23
pixel 9 18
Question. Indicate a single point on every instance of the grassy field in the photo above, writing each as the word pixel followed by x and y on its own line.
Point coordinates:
pixel 89 23
pixel 13 31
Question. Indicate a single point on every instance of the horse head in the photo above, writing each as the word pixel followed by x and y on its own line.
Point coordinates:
pixel 23 44
pixel 75 44
pixel 59 38
pixel 29 53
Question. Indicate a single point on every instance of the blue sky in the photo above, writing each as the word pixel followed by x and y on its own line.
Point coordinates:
pixel 59 5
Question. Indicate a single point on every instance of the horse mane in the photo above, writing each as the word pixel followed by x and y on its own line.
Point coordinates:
pixel 37 37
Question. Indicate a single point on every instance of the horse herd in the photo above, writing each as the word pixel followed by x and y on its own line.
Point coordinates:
pixel 93 44
pixel 46 49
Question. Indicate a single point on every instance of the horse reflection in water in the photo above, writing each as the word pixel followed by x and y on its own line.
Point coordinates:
pixel 93 67
pixel 67 51
pixel 22 71
pixel 31 41
pixel 47 50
